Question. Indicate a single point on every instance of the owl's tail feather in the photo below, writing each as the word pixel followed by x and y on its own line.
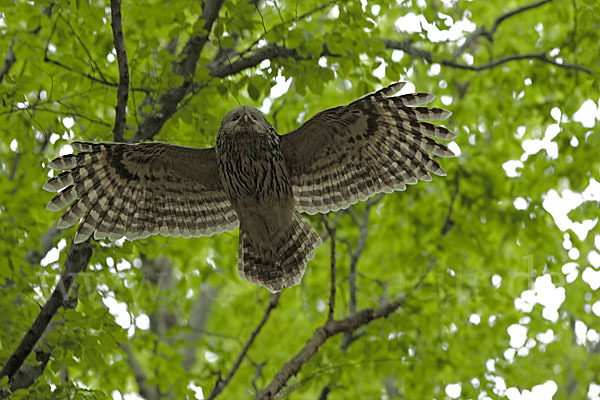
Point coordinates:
pixel 282 266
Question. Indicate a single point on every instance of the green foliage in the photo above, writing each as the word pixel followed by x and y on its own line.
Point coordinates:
pixel 457 249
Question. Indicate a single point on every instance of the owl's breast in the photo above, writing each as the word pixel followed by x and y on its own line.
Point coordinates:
pixel 252 167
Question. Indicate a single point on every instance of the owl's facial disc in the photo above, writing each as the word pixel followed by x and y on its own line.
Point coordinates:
pixel 243 118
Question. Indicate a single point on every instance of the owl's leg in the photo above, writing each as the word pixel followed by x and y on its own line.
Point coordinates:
pixel 284 266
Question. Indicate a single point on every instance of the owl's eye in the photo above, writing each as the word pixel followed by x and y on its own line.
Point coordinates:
pixel 236 117
pixel 253 117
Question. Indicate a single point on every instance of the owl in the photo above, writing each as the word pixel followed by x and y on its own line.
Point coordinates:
pixel 253 178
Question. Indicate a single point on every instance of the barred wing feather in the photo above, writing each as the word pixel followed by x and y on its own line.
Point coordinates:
pixel 138 190
pixel 378 143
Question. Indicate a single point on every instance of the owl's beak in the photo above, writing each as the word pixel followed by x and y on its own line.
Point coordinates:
pixel 245 117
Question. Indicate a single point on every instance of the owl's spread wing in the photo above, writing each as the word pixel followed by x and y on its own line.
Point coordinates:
pixel 138 190
pixel 375 144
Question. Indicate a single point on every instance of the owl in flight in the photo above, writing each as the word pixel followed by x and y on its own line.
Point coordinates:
pixel 253 178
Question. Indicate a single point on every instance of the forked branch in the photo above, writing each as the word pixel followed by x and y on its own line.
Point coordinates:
pixel 320 336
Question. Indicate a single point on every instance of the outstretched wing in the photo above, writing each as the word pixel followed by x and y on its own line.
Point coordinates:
pixel 138 190
pixel 374 144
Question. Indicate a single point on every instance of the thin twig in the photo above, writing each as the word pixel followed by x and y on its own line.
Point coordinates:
pixel 222 383
pixel 514 12
pixel 482 31
pixel 58 112
pixel 68 68
pixel 273 52
pixel 84 47
pixel 430 266
pixel 122 90
pixel 541 56
pixel 449 222
pixel 409 48
pixel 363 227
pixel 285 24
pixel 336 367
pixel 325 392
pixel 331 231
pixel 259 367
pixel 84 74
pixel 103 80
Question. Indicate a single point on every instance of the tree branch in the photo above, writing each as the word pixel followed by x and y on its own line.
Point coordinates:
pixel 449 222
pixel 189 56
pixel 514 12
pixel 542 56
pixel 284 24
pixel 169 101
pixel 257 374
pixel 34 107
pixel 9 60
pixel 360 245
pixel 77 259
pixel 275 51
pixel 122 90
pixel 410 49
pixel 101 80
pixel 270 52
pixel 331 232
pixel 27 374
pixel 325 392
pixel 221 384
pixel 489 34
pixel 321 335
pixel 193 48
pixel 363 227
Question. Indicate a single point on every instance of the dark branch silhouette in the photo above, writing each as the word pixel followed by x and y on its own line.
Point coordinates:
pixel 410 49
pixel 189 56
pixel 489 34
pixel 363 226
pixel 122 90
pixel 320 336
pixel 222 383
pixel 514 12
pixel 77 260
pixel 331 233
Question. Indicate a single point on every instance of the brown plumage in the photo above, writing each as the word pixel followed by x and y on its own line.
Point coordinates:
pixel 255 178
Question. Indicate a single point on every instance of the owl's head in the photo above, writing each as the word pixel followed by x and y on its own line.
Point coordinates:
pixel 244 119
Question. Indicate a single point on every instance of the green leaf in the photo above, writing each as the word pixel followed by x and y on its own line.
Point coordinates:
pixel 253 91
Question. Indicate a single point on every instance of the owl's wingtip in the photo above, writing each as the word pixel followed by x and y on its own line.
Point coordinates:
pixel 53 206
pixel 48 187
pixel 392 88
